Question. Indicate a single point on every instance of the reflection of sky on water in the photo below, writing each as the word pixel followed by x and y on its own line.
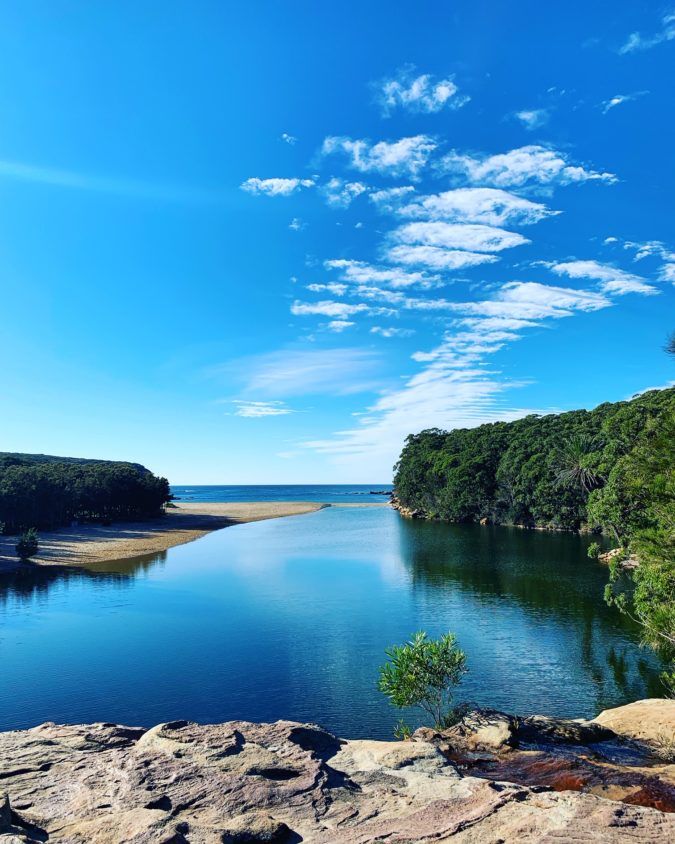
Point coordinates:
pixel 290 618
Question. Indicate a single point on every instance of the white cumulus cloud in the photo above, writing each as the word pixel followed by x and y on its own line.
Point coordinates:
pixel 421 93
pixel 340 193
pixel 532 118
pixel 407 156
pixel 490 206
pixel 473 238
pixel 612 280
pixel 526 165
pixel 339 325
pixel 326 308
pixel 276 186
pixel 436 258
pixel 361 272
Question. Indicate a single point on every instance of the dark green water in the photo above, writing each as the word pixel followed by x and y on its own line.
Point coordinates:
pixel 290 618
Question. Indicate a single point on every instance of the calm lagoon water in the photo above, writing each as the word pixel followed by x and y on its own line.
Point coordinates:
pixel 290 618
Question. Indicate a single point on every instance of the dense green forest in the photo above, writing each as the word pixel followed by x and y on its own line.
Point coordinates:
pixel 568 470
pixel 611 469
pixel 42 491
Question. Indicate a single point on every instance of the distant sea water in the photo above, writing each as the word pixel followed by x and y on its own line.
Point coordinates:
pixel 322 493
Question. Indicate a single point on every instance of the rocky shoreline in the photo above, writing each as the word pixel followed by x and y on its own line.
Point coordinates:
pixel 240 782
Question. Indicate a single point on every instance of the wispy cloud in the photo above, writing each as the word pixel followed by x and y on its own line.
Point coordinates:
pixel 636 41
pixel 612 280
pixel 454 388
pixel 407 156
pixel 275 186
pixel 435 258
pixel 289 139
pixel 339 325
pixel 532 118
pixel 389 200
pixel 260 409
pixel 667 272
pixel 333 287
pixel 326 308
pixel 390 331
pixel 421 93
pixel 619 99
pixel 473 238
pixel 296 224
pixel 489 206
pixel 105 184
pixel 519 167
pixel 361 272
pixel 299 371
pixel 341 194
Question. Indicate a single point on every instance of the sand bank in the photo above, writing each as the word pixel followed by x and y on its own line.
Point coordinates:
pixel 185 522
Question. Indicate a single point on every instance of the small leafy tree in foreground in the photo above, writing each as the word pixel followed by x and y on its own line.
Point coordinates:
pixel 27 546
pixel 422 674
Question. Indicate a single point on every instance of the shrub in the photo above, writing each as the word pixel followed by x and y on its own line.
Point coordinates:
pixel 27 546
pixel 422 674
pixel 593 551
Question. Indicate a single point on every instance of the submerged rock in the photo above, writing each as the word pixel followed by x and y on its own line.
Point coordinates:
pixel 282 783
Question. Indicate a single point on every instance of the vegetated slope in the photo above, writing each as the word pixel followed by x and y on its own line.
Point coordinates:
pixel 566 470
pixel 42 491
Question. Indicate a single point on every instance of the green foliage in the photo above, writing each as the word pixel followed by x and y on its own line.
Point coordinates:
pixel 610 469
pixel 402 731
pixel 593 551
pixel 422 673
pixel 563 471
pixel 27 546
pixel 647 592
pixel 46 492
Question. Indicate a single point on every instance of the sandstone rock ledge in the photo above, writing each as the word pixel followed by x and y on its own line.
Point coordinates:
pixel 279 783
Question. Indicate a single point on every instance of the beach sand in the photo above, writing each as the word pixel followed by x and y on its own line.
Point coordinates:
pixel 185 522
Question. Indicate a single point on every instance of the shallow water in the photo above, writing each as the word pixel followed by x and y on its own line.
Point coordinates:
pixel 289 618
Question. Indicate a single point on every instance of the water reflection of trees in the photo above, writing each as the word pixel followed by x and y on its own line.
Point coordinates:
pixel 544 574
pixel 29 581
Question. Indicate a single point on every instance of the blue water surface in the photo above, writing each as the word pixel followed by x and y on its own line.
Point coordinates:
pixel 289 618
pixel 321 493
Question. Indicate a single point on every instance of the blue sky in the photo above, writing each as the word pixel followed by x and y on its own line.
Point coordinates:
pixel 263 241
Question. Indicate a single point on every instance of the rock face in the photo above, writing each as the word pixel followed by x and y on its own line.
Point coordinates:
pixel 280 783
pixel 651 721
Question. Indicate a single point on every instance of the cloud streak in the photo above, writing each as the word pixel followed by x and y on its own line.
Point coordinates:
pixel 612 280
pixel 637 42
pixel 72 180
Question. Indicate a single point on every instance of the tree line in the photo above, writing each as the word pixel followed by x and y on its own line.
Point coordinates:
pixel 566 471
pixel 40 491
pixel 611 469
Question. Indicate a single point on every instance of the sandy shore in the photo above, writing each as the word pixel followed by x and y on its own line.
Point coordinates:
pixel 185 522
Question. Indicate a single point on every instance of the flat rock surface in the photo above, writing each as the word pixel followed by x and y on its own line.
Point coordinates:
pixel 651 720
pixel 285 782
